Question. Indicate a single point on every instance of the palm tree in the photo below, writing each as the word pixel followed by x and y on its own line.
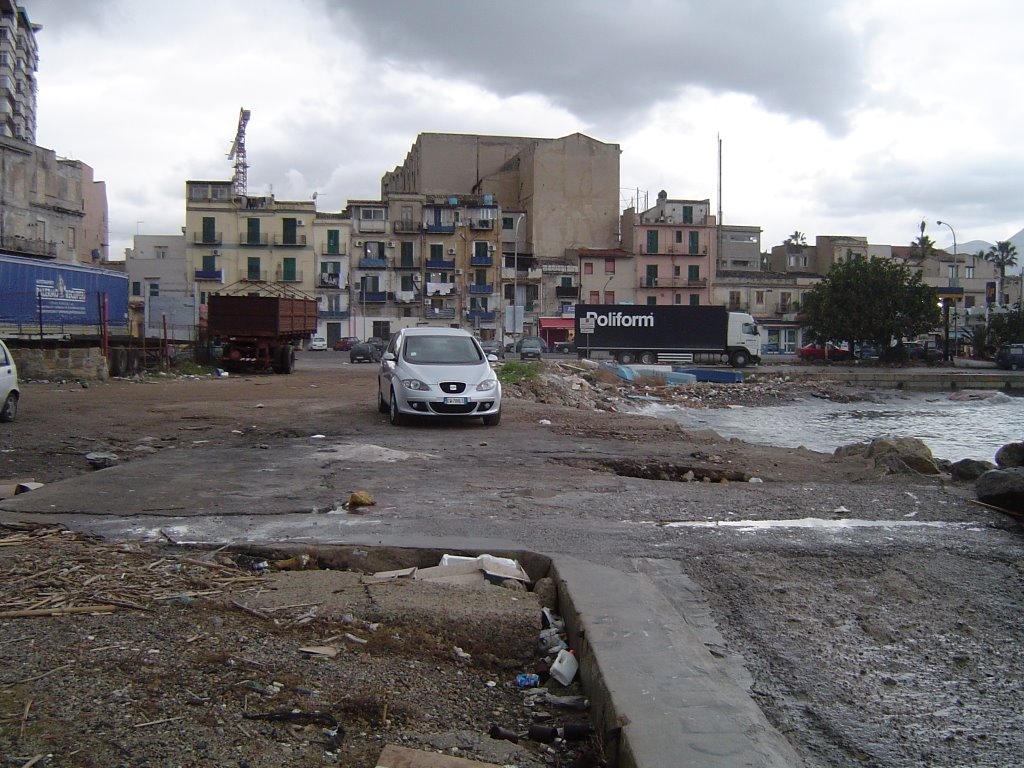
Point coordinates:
pixel 1002 255
pixel 921 248
pixel 795 241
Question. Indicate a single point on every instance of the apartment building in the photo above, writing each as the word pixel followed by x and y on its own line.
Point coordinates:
pixel 247 243
pixel 19 62
pixel 564 193
pixel 424 260
pixel 676 251
pixel 331 244
pixel 52 208
pixel 160 298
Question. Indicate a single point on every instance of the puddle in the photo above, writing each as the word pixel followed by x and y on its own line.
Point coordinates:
pixel 813 522
pixel 366 452
pixel 652 469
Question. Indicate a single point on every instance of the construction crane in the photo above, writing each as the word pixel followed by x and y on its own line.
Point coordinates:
pixel 240 181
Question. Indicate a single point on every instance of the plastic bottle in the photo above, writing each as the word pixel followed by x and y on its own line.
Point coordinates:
pixel 527 680
pixel 564 668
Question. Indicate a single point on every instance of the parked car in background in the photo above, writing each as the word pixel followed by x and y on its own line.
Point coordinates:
pixel 437 372
pixel 364 352
pixel 921 352
pixel 564 347
pixel 823 352
pixel 492 347
pixel 10 394
pixel 318 344
pixel 344 344
pixel 1010 357
pixel 530 348
pixel 516 346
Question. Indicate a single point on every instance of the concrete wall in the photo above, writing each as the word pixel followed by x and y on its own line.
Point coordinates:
pixel 53 364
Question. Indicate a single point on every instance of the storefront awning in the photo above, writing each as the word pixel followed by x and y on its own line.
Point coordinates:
pixel 558 322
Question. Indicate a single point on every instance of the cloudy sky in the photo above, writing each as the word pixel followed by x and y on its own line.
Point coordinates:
pixel 857 117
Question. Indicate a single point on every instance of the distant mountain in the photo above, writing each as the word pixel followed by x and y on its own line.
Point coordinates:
pixel 973 246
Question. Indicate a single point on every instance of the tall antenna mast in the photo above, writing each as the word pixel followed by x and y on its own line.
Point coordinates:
pixel 240 181
pixel 718 228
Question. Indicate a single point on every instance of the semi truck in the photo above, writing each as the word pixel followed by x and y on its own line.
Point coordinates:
pixel 55 299
pixel 258 332
pixel 652 334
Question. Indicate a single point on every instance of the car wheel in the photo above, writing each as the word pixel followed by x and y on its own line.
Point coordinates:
pixel 381 405
pixel 492 419
pixel 396 418
pixel 10 409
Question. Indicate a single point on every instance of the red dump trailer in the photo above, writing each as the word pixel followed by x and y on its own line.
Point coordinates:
pixel 258 332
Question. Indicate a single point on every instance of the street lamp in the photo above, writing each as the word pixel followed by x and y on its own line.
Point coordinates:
pixel 954 281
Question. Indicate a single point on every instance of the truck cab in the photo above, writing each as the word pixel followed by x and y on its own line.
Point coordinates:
pixel 744 340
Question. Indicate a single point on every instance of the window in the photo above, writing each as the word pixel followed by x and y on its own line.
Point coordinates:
pixel 437 251
pixel 136 288
pixel 951 272
pixel 588 268
pixel 154 290
pixel 371 214
pixel 676 271
pixel 288 270
pixel 373 249
pixel 406 257
pixel 209 263
pixel 609 297
pixel 333 241
pixel 480 249
pixel 759 297
pixel 679 235
pixel 252 231
pixel 252 271
pixel 687 214
pixel 968 301
pixel 507 222
pixel 652 241
pixel 407 283
pixel 694 247
pixel 694 299
pixel 609 266
pixel 289 235
pixel 734 299
pixel 652 301
pixel 968 272
pixel 71 237
pixel 595 297
pixel 160 251
pixel 693 273
pixel 678 298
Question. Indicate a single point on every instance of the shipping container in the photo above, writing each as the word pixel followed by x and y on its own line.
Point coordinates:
pixel 259 332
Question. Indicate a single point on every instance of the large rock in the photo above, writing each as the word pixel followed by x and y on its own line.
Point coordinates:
pixel 1003 488
pixel 1010 455
pixel 895 455
pixel 970 469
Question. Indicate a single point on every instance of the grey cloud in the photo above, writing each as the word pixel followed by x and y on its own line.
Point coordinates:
pixel 60 17
pixel 609 61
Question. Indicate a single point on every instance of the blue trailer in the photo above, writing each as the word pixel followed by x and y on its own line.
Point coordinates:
pixel 41 298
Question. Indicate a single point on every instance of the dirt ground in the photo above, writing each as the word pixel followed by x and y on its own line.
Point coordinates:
pixel 901 649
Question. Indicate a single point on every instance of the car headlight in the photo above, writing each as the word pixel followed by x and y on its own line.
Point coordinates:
pixel 420 386
pixel 487 385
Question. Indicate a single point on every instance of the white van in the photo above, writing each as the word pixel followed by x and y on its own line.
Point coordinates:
pixel 9 392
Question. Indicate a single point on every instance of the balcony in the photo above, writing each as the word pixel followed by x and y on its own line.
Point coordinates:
pixel 216 275
pixel 333 314
pixel 483 315
pixel 255 276
pixel 332 250
pixel 438 264
pixel 567 292
pixel 372 297
pixel 207 238
pixel 366 263
pixel 407 297
pixel 481 288
pixel 439 229
pixel 406 226
pixel 672 282
pixel 440 314
pixel 253 239
pixel 329 280
pixel 481 224
pixel 440 289
pixel 481 261
pixel 298 241
pixel 523 275
pixel 28 247
pixel 371 226
pixel 288 276
pixel 408 264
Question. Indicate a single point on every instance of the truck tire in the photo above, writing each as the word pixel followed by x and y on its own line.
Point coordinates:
pixel 625 358
pixel 648 358
pixel 739 358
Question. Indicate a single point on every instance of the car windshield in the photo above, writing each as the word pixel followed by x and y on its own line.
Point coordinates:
pixel 443 350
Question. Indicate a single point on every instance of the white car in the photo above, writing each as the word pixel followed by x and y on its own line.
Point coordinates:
pixel 318 344
pixel 437 372
pixel 9 392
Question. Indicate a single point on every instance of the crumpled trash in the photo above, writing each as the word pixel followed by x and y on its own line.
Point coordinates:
pixel 102 460
pixel 358 499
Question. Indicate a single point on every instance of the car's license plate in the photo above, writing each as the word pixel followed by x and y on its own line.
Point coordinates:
pixel 455 401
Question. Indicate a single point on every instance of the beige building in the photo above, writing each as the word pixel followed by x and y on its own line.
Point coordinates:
pixel 50 207
pixel 331 244
pixel 565 193
pixel 247 243
pixel 19 61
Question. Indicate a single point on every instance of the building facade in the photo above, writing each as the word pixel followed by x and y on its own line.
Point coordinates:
pixel 50 207
pixel 19 62
pixel 160 296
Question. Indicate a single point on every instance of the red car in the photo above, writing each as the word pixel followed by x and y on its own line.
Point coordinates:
pixel 817 352
pixel 344 344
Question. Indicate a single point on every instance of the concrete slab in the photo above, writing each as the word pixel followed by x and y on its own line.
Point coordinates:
pixel 401 757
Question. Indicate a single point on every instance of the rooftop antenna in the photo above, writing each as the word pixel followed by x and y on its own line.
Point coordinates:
pixel 240 181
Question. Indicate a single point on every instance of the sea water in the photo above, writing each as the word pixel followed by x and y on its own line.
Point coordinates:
pixel 952 428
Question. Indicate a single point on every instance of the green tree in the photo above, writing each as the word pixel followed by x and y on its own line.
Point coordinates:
pixel 921 248
pixel 876 300
pixel 1002 255
pixel 1006 327
pixel 796 241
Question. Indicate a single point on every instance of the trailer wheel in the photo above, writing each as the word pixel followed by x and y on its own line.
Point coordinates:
pixel 648 358
pixel 625 358
pixel 290 360
pixel 740 358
